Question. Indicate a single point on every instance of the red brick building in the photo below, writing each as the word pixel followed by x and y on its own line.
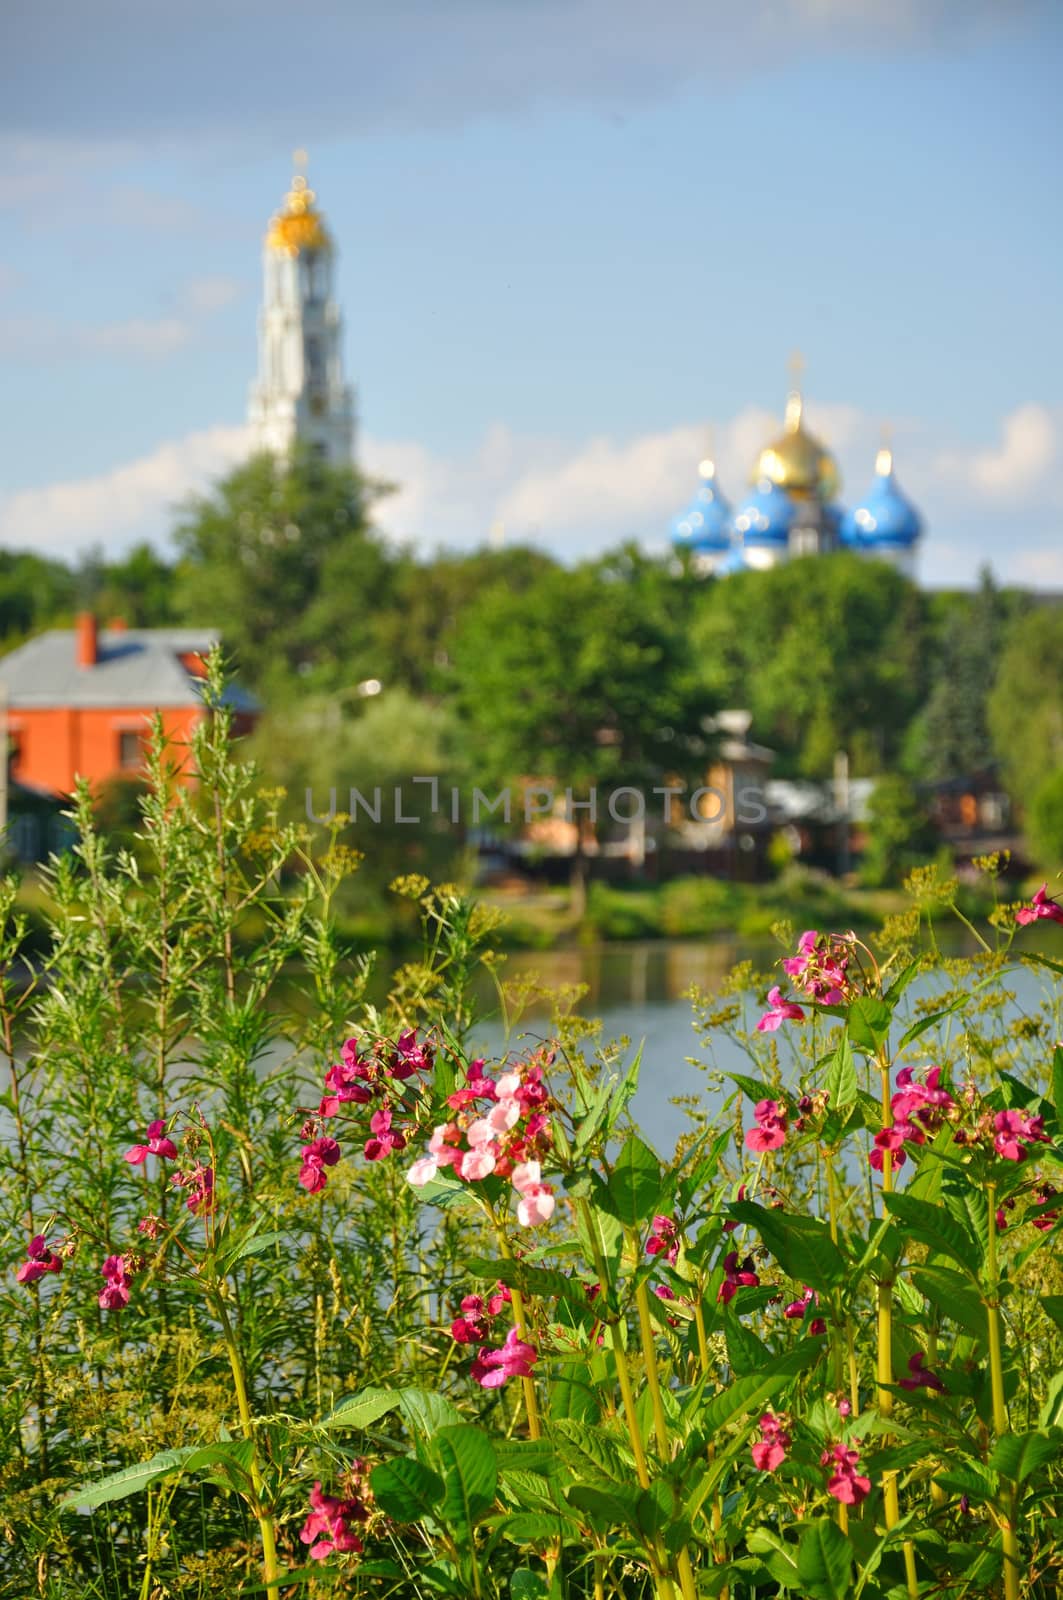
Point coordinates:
pixel 79 701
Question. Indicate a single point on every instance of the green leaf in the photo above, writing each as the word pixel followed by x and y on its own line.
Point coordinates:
pixel 926 1023
pixel 634 1185
pixel 1052 1410
pixel 802 1245
pixel 528 1585
pixel 841 1082
pixel 362 1409
pixel 425 1412
pixel 545 1282
pixel 932 1225
pixel 752 1087
pixel 1057 1082
pixel 606 1509
pixel 130 1480
pixel 750 1394
pixel 470 1476
pixel 1018 1455
pixel 624 1092
pixel 953 1296
pixel 824 1561
pixel 406 1489
pixel 869 1023
pixel 968 1478
pixel 1052 1306
pixel 256 1246
pixel 591 1452
pixel 900 983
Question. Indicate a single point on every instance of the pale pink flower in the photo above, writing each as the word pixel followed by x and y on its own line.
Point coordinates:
pixel 779 1011
pixel 770 1132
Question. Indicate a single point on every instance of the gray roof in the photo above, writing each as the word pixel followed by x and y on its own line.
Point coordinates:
pixel 134 667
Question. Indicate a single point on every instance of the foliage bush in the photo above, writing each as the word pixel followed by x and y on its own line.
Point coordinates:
pixel 357 1314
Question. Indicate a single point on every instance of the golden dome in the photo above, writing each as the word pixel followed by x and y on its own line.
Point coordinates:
pixel 300 226
pixel 796 461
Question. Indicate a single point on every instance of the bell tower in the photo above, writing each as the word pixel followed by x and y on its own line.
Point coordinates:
pixel 300 395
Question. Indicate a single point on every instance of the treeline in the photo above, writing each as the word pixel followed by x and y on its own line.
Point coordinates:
pixel 501 663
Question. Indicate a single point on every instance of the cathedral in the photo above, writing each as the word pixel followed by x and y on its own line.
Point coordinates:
pixel 300 392
pixel 793 510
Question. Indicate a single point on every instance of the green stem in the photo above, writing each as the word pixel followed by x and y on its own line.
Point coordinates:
pixel 270 1564
pixel 1001 1425
pixel 884 1353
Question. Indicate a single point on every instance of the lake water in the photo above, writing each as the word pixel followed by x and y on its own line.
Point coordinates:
pixel 640 991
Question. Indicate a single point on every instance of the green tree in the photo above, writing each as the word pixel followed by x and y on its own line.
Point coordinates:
pixel 899 832
pixel 34 592
pixel 1046 820
pixel 430 598
pixel 954 735
pixel 139 588
pixel 282 558
pixel 825 653
pixel 1026 705
pixel 584 680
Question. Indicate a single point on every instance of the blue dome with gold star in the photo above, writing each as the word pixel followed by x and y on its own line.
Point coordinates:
pixel 705 527
pixel 885 519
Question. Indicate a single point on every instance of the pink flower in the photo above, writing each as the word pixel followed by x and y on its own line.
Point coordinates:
pixel 920 1376
pixel 478 1162
pixel 491 1368
pixel 157 1145
pixel 477 1087
pixel 410 1057
pixel 41 1260
pixel 325 1529
pixel 536 1203
pixel 201 1197
pixel 779 1011
pixel 736 1277
pixel 845 1483
pixel 115 1293
pixel 423 1171
pixel 1041 1197
pixel 770 1132
pixel 317 1155
pixel 384 1140
pixel 798 1309
pixel 151 1226
pixel 664 1239
pixel 1040 907
pixel 775 1441
pixel 1011 1127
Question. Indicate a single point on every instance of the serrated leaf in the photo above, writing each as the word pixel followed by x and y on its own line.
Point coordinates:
pixel 750 1394
pixel 406 1489
pixel 824 1561
pixel 932 1225
pixel 868 1023
pixel 970 1479
pixel 1052 1306
pixel 634 1186
pixel 425 1412
pixel 1018 1455
pixel 362 1409
pixel 524 1584
pixel 605 1509
pixel 130 1480
pixel 545 1282
pixel 802 1245
pixel 470 1476
pixel 841 1084
pixel 591 1452
pixel 924 1024
pixel 953 1296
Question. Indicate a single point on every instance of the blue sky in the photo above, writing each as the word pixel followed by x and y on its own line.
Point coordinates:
pixel 575 238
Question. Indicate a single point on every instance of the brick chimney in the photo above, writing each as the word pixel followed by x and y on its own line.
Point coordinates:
pixel 86 643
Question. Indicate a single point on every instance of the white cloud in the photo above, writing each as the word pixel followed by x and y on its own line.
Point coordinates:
pixel 131 502
pixel 578 499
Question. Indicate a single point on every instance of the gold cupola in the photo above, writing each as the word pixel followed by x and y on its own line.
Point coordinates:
pixel 300 225
pixel 796 461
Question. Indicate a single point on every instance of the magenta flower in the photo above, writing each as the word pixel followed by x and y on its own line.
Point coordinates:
pixel 384 1139
pixel 1011 1128
pixel 158 1145
pixel 770 1132
pixel 1040 907
pixel 775 1441
pixel 845 1483
pixel 471 1326
pixel 920 1376
pixel 1047 1219
pixel 664 1239
pixel 115 1292
pixel 317 1155
pixel 736 1276
pixel 325 1529
pixel 410 1057
pixel 491 1368
pixel 40 1260
pixel 779 1011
